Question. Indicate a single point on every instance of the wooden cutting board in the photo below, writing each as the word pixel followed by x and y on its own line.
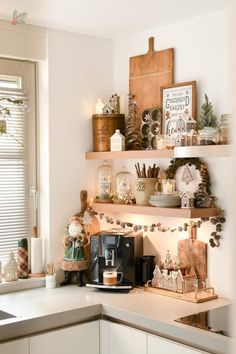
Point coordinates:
pixel 148 72
pixel 194 252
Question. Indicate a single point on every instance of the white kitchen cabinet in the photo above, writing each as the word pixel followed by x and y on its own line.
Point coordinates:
pixel 19 346
pixel 156 345
pixel 82 338
pixel 119 339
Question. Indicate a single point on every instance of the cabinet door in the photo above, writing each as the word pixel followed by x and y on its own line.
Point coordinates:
pixel 19 346
pixel 126 340
pixel 83 338
pixel 159 345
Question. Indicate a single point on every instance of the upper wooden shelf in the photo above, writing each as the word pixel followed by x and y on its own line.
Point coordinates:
pixel 150 210
pixel 182 151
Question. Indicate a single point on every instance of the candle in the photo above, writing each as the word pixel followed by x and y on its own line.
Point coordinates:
pixel 160 143
pixel 168 186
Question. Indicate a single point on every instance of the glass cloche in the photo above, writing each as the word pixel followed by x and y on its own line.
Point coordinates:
pixel 104 183
pixel 124 187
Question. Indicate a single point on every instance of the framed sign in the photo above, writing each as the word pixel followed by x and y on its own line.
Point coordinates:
pixel 178 107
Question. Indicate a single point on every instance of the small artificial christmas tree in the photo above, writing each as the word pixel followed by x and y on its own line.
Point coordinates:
pixel 207 116
pixel 132 132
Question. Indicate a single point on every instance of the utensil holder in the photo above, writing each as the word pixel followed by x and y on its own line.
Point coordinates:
pixel 51 281
pixel 145 187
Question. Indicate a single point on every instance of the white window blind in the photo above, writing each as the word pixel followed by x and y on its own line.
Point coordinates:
pixel 13 173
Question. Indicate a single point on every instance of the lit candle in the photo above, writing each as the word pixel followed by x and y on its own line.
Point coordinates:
pixel 161 143
pixel 99 106
pixel 168 186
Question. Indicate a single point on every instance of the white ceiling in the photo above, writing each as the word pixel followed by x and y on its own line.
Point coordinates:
pixel 108 18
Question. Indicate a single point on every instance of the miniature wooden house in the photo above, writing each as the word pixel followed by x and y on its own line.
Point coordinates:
pixel 187 200
pixel 107 109
pixel 185 124
pixel 117 141
pixel 174 281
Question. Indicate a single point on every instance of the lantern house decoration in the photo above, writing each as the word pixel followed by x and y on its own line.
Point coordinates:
pixel 10 269
pixel 187 200
pixel 124 182
pixel 117 141
pixel 185 124
pixel 104 183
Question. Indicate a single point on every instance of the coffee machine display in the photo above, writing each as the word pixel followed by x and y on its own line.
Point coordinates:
pixel 115 259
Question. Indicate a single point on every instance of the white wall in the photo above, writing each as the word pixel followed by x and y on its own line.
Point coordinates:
pixel 80 70
pixel 202 53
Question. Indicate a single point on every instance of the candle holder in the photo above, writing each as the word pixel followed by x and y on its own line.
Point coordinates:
pixel 168 186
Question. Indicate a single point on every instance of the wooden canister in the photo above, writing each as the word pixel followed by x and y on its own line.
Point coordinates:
pixel 104 126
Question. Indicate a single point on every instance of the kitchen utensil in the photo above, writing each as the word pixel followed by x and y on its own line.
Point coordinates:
pixel 148 72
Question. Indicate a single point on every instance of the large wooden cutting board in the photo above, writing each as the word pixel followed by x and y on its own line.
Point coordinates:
pixel 148 72
pixel 194 253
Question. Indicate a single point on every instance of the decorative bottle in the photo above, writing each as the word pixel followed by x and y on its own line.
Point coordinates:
pixel 10 269
pixel 23 269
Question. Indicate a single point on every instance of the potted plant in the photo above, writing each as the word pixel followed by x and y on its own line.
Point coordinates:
pixel 208 128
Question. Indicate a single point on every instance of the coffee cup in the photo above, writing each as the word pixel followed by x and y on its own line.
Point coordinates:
pixel 112 277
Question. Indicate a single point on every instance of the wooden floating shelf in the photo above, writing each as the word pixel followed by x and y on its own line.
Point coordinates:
pixel 203 151
pixel 182 151
pixel 131 154
pixel 149 210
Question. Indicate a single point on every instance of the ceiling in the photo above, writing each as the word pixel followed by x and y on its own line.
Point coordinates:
pixel 108 18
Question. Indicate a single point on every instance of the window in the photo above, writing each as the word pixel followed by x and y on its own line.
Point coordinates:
pixel 17 153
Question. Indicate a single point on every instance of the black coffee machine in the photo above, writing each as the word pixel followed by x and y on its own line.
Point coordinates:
pixel 116 249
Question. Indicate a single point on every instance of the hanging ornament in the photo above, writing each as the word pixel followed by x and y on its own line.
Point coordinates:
pixel 18 17
pixel 187 176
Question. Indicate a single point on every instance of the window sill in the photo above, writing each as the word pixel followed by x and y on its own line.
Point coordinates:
pixel 21 284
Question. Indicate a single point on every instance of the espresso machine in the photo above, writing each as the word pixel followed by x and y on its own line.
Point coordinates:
pixel 116 249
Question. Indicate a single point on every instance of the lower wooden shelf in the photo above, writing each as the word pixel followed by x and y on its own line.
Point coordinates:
pixel 150 210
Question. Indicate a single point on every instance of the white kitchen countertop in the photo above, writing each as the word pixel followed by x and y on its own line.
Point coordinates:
pixel 43 309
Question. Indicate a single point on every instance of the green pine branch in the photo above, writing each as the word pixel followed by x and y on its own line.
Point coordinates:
pixel 207 116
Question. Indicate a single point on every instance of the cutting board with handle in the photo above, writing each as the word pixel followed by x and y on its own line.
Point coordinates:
pixel 148 72
pixel 193 252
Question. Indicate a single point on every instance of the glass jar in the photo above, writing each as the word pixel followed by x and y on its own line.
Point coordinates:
pixel 168 186
pixel 104 183
pixel 224 129
pixel 124 184
pixel 208 136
